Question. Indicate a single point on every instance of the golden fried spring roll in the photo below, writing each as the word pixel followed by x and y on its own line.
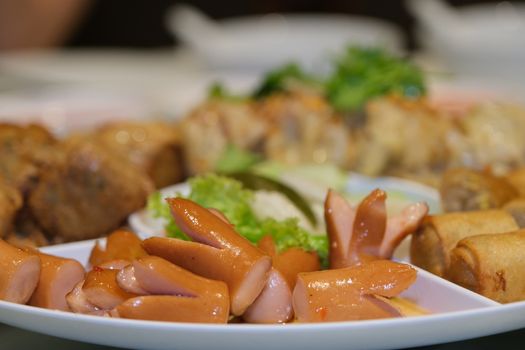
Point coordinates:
pixel 432 243
pixel 491 265
pixel 466 189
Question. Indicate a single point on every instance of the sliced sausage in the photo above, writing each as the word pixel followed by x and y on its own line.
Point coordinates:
pixel 101 289
pixel 348 293
pixel 400 226
pixel 77 301
pixel 120 245
pixel 274 304
pixel 290 262
pixel 339 218
pixel 19 273
pixel 159 276
pixel 220 254
pixel 369 228
pixel 58 276
pixel 173 309
pixel 127 280
pixel 117 264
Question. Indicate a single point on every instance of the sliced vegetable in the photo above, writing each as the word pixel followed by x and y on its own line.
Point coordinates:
pixel 259 182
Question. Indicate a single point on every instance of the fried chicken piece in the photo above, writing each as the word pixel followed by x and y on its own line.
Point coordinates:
pixel 87 193
pixel 10 203
pixel 23 151
pixel 154 147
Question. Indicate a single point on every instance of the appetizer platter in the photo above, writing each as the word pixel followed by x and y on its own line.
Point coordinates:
pixel 270 241
pixel 426 310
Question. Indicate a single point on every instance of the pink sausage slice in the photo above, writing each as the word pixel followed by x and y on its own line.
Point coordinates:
pixel 400 226
pixel 348 293
pixel 369 227
pixel 220 254
pixel 339 218
pixel 77 301
pixel 274 304
pixel 159 276
pixel 291 261
pixel 58 277
pixel 101 289
pixel 19 273
pixel 173 309
pixel 120 245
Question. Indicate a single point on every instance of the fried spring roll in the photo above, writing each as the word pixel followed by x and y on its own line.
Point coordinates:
pixel 432 244
pixel 491 265
pixel 466 189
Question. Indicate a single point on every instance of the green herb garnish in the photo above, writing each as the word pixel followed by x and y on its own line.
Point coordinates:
pixel 364 73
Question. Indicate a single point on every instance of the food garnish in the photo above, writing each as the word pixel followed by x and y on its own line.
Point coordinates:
pixel 231 198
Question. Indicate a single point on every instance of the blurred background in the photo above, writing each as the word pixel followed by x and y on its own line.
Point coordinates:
pixel 160 55
pixel 142 24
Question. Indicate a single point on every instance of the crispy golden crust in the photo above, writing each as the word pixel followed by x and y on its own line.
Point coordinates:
pixel 465 189
pixel 431 245
pixel 10 203
pixel 88 193
pixel 153 146
pixel 491 264
pixel 24 150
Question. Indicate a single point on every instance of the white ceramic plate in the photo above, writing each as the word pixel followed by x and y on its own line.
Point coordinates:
pixel 457 314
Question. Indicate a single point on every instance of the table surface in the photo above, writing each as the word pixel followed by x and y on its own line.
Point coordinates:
pixel 17 338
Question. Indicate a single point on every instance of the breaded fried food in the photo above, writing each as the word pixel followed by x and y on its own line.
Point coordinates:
pixel 208 130
pixel 153 146
pixel 304 128
pixel 432 243
pixel 23 151
pixel 87 193
pixel 10 203
pixel 465 189
pixel 402 136
pixel 491 265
